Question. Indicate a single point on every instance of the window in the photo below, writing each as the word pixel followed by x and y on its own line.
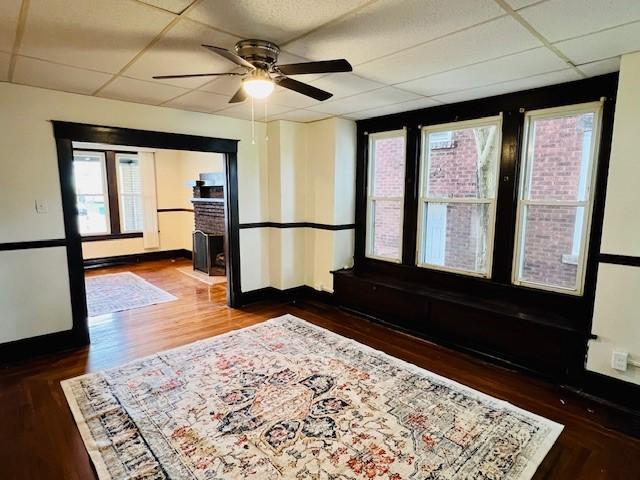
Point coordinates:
pixel 89 170
pixel 555 200
pixel 385 195
pixel 456 210
pixel 130 193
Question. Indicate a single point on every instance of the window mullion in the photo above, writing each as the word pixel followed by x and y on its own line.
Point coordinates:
pixel 112 191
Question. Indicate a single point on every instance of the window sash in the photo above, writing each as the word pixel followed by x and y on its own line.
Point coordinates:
pixel 424 200
pixel 104 194
pixel 371 199
pixel 122 194
pixel 586 189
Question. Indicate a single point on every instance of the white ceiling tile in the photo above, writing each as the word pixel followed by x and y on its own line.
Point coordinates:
pixel 345 84
pixel 387 26
pixel 132 90
pixel 180 51
pixel 562 19
pixel 175 6
pixel 552 78
pixel 493 39
pixel 223 85
pixel 525 64
pixel 200 101
pixel 396 108
pixel 243 110
pixel 39 73
pixel 5 58
pixel 273 20
pixel 375 98
pixel 601 67
pixel 9 11
pixel 292 99
pixel 517 4
pixel 606 44
pixel 301 115
pixel 99 35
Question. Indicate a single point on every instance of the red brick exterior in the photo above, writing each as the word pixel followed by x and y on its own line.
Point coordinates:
pixel 453 173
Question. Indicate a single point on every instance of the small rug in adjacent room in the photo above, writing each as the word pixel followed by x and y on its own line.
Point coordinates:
pixel 201 276
pixel 116 292
pixel 289 400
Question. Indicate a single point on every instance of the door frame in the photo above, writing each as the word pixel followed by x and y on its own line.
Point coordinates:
pixel 66 133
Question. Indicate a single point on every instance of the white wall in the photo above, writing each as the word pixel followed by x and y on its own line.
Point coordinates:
pixel 28 171
pixel 311 179
pixel 616 318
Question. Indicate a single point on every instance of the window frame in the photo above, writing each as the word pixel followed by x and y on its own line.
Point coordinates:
pixel 423 201
pixel 522 202
pixel 105 191
pixel 120 194
pixel 371 199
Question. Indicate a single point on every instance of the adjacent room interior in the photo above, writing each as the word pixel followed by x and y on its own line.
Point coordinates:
pixel 355 240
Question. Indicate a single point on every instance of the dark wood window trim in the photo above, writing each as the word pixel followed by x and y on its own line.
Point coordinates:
pixel 576 309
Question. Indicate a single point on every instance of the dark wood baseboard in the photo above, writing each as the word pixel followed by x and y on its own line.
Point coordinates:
pixel 26 348
pixel 136 258
pixel 303 292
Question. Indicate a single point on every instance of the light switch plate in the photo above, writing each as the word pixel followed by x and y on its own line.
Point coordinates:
pixel 619 360
pixel 42 206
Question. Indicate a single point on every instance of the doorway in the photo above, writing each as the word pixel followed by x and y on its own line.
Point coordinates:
pixel 67 133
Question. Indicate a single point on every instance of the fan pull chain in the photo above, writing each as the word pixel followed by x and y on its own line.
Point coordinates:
pixel 253 125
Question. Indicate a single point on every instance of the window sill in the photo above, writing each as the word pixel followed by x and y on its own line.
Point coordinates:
pixel 570 259
pixel 111 236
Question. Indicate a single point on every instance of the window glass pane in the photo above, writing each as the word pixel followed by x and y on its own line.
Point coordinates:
pixel 551 245
pixel 561 152
pixel 92 214
pixel 465 166
pixel 387 236
pixel 456 236
pixel 91 197
pixel 130 189
pixel 88 172
pixel 388 174
pixel 385 195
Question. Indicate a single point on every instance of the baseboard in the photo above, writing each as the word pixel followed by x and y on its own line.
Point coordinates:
pixel 136 258
pixel 35 346
pixel 303 292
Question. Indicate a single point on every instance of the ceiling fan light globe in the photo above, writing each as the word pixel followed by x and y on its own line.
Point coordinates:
pixel 258 87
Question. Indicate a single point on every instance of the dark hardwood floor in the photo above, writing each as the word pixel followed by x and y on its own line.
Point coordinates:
pixel 40 440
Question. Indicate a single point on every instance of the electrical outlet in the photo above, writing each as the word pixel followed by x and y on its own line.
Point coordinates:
pixel 619 360
pixel 42 206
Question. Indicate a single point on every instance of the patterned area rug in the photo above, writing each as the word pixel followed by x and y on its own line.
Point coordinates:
pixel 288 400
pixel 116 292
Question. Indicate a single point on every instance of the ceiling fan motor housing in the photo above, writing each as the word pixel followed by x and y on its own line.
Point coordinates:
pixel 261 53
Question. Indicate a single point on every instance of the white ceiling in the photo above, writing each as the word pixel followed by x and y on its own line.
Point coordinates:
pixel 406 54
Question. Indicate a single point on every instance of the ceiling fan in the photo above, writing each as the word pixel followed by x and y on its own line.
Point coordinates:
pixel 258 58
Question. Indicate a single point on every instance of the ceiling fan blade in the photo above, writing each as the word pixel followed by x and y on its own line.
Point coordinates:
pixel 191 75
pixel 229 55
pixel 326 66
pixel 239 96
pixel 303 88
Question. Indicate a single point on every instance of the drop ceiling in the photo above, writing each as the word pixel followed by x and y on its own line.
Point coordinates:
pixel 406 54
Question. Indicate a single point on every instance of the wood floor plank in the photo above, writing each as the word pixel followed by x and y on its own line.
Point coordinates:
pixel 40 439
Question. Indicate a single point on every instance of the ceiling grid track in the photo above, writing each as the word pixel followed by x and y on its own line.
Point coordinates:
pixel 518 18
pixel 155 40
pixel 22 20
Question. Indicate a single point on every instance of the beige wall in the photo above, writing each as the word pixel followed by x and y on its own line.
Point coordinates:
pixel 28 172
pixel 311 179
pixel 616 318
pixel 174 170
